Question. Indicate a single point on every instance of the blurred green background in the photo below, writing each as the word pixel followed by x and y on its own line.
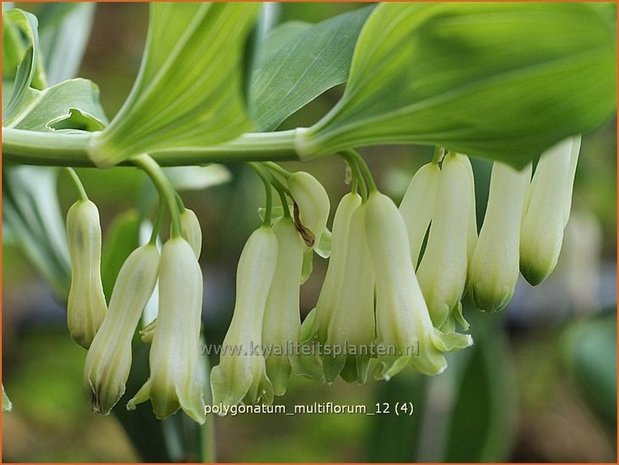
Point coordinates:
pixel 539 385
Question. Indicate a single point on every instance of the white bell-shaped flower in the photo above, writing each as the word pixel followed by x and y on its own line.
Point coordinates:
pixel 493 271
pixel 241 373
pixel 351 330
pixel 109 357
pixel 443 268
pixel 547 210
pixel 417 206
pixel 404 329
pixel 175 350
pixel 317 322
pixel 86 306
pixel 282 319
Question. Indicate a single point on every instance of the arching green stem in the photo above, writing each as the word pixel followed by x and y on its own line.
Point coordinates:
pixel 264 177
pixel 167 194
pixel 156 225
pixel 78 183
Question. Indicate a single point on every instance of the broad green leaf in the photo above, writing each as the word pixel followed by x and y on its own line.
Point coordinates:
pixel 6 402
pixel 197 177
pixel 189 89
pixel 278 37
pixel 121 239
pixel 497 80
pixel 64 29
pixel 314 61
pixel 72 104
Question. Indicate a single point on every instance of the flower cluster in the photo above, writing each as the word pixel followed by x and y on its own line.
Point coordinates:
pixel 108 332
pixel 391 298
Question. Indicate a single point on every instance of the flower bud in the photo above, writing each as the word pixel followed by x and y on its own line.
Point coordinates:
pixel 109 357
pixel 443 268
pixel 336 269
pixel 192 231
pixel 282 320
pixel 417 206
pixel 313 203
pixel 86 305
pixel 547 210
pixel 403 325
pixel 493 271
pixel 241 373
pixel 175 351
pixel 351 328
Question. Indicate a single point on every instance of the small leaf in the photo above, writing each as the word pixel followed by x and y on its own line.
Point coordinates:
pixel 189 89
pixel 72 104
pixel 500 81
pixel 308 264
pixel 311 63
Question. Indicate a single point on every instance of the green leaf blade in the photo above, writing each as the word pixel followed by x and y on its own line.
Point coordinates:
pixel 314 60
pixel 500 81
pixel 189 90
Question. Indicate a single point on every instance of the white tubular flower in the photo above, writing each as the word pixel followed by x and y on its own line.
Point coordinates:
pixel 313 203
pixel 241 373
pixel 493 271
pixel 417 206
pixel 351 329
pixel 443 268
pixel 86 305
pixel 404 329
pixel 321 315
pixel 175 351
pixel 547 210
pixel 192 231
pixel 282 320
pixel 109 358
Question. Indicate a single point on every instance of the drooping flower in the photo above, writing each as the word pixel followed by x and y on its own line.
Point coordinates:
pixel 443 268
pixel 317 322
pixel 404 329
pixel 547 210
pixel 417 206
pixel 282 320
pixel 351 330
pixel 109 357
pixel 241 373
pixel 175 350
pixel 86 305
pixel 493 271
pixel 192 231
pixel 313 203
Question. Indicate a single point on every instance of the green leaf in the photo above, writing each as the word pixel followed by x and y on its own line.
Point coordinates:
pixel 314 61
pixel 278 37
pixel 189 90
pixel 72 104
pixel 121 239
pixel 21 33
pixel 64 29
pixel 500 81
